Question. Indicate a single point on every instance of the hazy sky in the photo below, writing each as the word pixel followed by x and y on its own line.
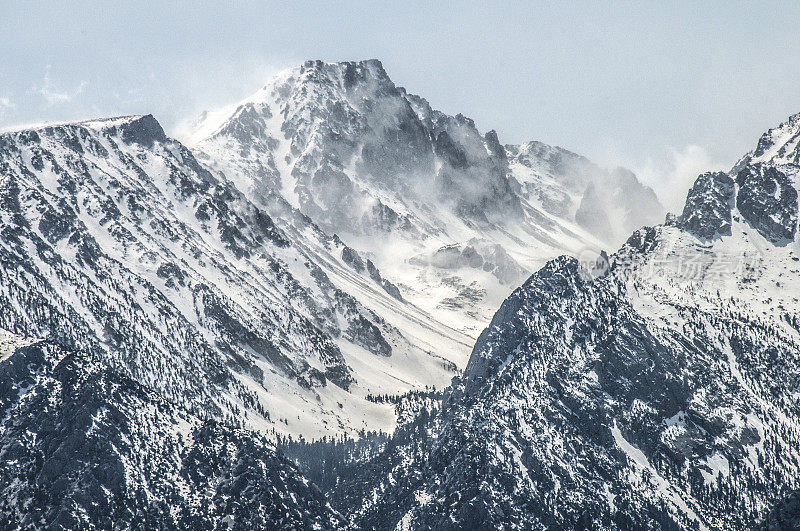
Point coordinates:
pixel 667 90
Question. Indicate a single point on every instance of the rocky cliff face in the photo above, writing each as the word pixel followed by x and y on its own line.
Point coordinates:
pixel 117 241
pixel 768 180
pixel 768 201
pixel 659 392
pixel 399 181
pixel 707 213
pixel 85 446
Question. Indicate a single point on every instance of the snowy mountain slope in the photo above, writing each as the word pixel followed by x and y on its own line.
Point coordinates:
pixel 115 240
pixel 655 388
pixel 448 214
pixel 83 446
pixel 608 204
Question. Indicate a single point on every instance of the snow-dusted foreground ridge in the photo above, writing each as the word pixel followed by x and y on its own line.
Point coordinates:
pixel 657 388
pixel 84 446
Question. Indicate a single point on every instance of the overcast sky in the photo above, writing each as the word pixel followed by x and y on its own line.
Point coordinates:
pixel 667 90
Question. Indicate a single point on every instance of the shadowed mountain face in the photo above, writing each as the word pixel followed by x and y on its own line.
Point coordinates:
pixel 117 241
pixel 768 201
pixel 658 392
pixel 768 181
pixel 707 212
pixel 785 515
pixel 84 446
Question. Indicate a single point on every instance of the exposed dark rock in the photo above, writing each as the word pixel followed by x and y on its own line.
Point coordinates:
pixel 85 446
pixel 353 259
pixel 387 286
pixel 143 131
pixel 768 201
pixel 785 516
pixel 450 152
pixel 707 212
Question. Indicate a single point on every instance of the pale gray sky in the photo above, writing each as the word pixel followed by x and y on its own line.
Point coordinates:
pixel 668 90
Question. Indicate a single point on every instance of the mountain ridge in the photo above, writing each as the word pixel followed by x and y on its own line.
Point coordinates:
pixel 400 181
pixel 174 309
pixel 656 389
pixel 129 236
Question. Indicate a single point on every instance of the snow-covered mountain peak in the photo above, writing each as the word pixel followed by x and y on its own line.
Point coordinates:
pixel 314 83
pixel 550 160
pixel 400 181
pixel 779 145
pixel 658 393
pixel 348 75
pixel 609 204
pixel 344 75
pixel 761 190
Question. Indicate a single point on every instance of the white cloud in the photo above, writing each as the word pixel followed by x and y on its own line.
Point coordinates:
pixel 5 106
pixel 673 174
pixel 54 96
pixel 687 164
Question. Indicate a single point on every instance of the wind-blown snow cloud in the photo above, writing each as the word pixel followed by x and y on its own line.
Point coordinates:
pixel 672 178
pixel 54 96
pixel 5 105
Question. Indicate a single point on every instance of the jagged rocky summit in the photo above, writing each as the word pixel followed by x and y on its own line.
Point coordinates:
pixel 409 185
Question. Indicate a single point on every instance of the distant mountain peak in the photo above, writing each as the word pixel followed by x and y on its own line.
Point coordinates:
pixel 780 144
pixel 707 212
pixel 762 187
